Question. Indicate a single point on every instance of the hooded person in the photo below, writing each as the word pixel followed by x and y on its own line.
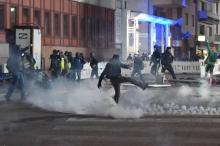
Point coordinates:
pixel 112 71
pixel 15 67
pixel 155 59
pixel 166 61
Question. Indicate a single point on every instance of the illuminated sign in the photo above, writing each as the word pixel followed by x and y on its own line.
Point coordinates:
pixel 201 38
pixel 155 19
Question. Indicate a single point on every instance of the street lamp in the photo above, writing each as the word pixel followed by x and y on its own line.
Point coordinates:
pixel 12 9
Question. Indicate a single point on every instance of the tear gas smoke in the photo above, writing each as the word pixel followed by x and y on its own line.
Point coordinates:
pixel 86 99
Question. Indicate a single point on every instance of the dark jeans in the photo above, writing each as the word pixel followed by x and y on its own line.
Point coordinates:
pixel 137 71
pixel 18 80
pixel 209 68
pixel 154 69
pixel 94 72
pixel 170 69
pixel 77 73
pixel 116 81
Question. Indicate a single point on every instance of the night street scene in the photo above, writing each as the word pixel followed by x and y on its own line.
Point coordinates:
pixel 109 72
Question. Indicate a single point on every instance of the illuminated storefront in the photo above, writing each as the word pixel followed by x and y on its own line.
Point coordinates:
pixel 145 31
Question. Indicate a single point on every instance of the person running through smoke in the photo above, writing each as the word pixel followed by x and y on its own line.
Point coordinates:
pixel 112 71
pixel 138 66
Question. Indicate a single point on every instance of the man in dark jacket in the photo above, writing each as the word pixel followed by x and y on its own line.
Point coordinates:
pixel 94 66
pixel 112 71
pixel 155 59
pixel 55 64
pixel 138 66
pixel 166 61
pixel 15 67
pixel 77 65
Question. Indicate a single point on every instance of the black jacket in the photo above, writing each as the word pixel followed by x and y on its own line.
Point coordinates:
pixel 94 62
pixel 155 58
pixel 167 58
pixel 112 69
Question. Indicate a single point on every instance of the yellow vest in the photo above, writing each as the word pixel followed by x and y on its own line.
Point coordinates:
pixel 62 64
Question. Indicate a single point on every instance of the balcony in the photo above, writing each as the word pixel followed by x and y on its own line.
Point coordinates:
pixel 208 17
pixel 169 3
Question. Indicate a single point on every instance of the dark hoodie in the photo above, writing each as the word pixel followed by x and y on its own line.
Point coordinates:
pixel 113 68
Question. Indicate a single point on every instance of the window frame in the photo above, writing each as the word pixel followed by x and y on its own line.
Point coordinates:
pixel 76 27
pixel 47 33
pixel 29 16
pixel 37 10
pixel 57 27
pixel 16 15
pixel 3 17
pixel 66 33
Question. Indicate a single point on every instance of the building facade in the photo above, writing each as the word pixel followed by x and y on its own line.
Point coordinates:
pixel 143 29
pixel 197 18
pixel 78 26
pixel 208 23
pixel 184 32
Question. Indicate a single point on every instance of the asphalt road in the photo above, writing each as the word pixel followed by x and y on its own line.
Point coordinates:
pixel 24 125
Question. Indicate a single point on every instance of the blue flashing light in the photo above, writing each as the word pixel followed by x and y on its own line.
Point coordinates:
pixel 184 3
pixel 155 19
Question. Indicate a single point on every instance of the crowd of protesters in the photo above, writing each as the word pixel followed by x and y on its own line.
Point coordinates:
pixel 70 65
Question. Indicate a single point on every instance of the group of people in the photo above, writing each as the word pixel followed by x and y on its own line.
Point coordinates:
pixel 69 66
pixel 158 60
pixel 144 57
pixel 112 70
pixel 165 60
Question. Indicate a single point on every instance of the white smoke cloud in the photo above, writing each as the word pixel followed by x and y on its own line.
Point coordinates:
pixel 86 99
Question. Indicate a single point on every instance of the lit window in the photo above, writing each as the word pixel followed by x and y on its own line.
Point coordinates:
pixel 13 16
